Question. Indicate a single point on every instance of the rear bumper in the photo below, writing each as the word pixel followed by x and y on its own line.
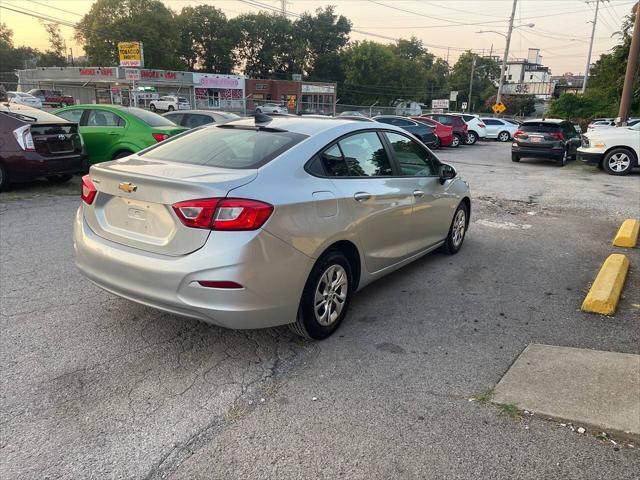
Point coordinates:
pixel 272 273
pixel 552 153
pixel 30 165
pixel 590 157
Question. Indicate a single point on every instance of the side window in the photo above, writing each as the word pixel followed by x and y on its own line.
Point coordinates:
pixel 100 118
pixel 414 160
pixel 334 163
pixel 444 120
pixel 177 118
pixel 400 122
pixel 197 120
pixel 72 115
pixel 489 121
pixel 365 155
pixel 386 120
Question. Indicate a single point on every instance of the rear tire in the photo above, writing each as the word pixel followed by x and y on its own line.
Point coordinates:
pixel 170 108
pixel 504 136
pixel 457 140
pixel 457 230
pixel 325 298
pixel 618 161
pixel 59 179
pixel 472 138
pixel 4 178
pixel 515 158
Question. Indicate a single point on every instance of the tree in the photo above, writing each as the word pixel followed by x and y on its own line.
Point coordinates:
pixel 521 105
pixel 207 39
pixel 56 55
pixel 324 35
pixel 267 46
pixel 485 71
pixel 12 58
pixel 112 21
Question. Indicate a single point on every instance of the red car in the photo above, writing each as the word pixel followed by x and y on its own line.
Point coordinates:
pixel 54 98
pixel 443 132
pixel 460 127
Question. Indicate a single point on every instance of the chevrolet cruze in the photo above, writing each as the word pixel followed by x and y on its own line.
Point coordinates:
pixel 267 221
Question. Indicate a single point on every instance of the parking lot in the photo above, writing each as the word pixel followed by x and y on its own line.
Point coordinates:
pixel 94 386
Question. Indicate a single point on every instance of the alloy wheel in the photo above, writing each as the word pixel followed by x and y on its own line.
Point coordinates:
pixel 459 226
pixel 330 295
pixel 456 141
pixel 503 137
pixel 471 138
pixel 619 162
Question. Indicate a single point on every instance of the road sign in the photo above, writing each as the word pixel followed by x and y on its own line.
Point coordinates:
pixel 440 103
pixel 498 108
pixel 464 106
pixel 131 74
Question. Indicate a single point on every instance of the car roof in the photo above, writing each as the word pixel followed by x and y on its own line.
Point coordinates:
pixel 308 125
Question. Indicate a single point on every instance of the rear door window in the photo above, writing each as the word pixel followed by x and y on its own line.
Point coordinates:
pixel 334 163
pixel 194 120
pixel 72 115
pixel 365 155
pixel 222 147
pixel 102 118
pixel 177 118
pixel 412 158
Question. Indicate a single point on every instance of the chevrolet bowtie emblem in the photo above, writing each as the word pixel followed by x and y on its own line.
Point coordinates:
pixel 127 187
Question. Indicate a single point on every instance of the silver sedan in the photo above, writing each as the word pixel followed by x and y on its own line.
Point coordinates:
pixel 265 222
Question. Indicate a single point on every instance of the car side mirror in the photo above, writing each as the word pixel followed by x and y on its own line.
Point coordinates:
pixel 447 172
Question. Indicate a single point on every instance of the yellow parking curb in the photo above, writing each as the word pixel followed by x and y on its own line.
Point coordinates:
pixel 604 294
pixel 627 235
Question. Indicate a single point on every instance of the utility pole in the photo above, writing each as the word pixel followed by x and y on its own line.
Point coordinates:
pixel 632 63
pixel 473 67
pixel 506 52
pixel 283 7
pixel 593 32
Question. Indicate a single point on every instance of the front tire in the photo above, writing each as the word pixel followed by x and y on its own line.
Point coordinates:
pixel 504 136
pixel 471 138
pixel 170 108
pixel 618 162
pixel 457 230
pixel 325 298
pixel 153 108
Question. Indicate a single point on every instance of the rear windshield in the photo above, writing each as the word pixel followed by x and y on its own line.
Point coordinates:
pixel 150 118
pixel 225 147
pixel 183 100
pixel 540 127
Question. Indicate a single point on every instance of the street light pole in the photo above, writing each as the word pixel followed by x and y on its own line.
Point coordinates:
pixel 506 52
pixel 593 32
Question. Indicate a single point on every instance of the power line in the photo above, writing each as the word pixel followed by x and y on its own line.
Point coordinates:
pixel 56 8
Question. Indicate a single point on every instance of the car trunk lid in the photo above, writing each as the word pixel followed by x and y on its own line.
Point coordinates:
pixel 56 139
pixel 135 195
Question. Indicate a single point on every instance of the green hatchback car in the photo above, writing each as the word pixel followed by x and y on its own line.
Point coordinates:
pixel 113 131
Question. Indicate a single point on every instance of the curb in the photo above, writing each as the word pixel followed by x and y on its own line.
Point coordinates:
pixel 604 294
pixel 627 235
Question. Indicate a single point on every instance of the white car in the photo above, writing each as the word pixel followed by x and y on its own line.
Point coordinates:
pixel 499 129
pixel 615 150
pixel 169 103
pixel 272 108
pixel 476 128
pixel 24 99
pixel 601 123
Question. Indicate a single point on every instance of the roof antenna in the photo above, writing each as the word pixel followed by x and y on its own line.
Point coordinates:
pixel 262 118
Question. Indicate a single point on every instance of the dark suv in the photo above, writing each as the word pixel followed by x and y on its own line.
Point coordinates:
pixel 460 127
pixel 554 139
pixel 420 130
pixel 35 144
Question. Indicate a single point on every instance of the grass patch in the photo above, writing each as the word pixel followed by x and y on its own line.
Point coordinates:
pixel 236 412
pixel 484 397
pixel 509 409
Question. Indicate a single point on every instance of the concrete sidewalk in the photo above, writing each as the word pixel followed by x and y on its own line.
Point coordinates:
pixel 586 387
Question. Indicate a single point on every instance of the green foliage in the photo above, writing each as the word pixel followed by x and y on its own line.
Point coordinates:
pixel 112 21
pixel 207 39
pixel 574 107
pixel 521 105
pixel 56 55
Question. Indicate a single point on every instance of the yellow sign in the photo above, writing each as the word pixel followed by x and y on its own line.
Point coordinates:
pixel 131 54
pixel 498 108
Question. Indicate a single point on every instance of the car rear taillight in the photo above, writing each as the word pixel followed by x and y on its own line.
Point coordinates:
pixel 223 213
pixel 482 125
pixel 88 190
pixel 24 138
pixel 518 133
pixel 159 137
pixel 557 135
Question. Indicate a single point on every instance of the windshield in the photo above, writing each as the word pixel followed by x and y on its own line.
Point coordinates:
pixel 540 127
pixel 183 100
pixel 225 147
pixel 150 118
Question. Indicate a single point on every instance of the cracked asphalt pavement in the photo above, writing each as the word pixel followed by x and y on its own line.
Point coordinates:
pixel 94 386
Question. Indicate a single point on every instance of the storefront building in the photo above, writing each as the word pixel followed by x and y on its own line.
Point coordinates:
pixel 298 96
pixel 214 91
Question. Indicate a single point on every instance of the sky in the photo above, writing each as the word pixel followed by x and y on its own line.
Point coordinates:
pixel 447 27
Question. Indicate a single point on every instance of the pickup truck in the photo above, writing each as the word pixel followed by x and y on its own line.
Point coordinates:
pixel 616 150
pixel 54 98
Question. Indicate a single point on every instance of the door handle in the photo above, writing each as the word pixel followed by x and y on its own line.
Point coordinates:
pixel 418 193
pixel 362 196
